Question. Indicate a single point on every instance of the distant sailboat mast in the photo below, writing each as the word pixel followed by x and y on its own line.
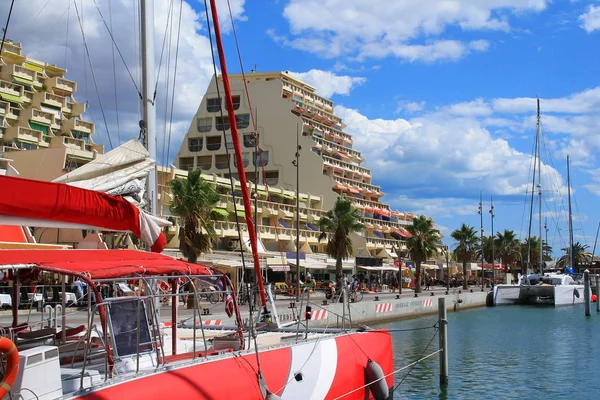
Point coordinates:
pixel 539 185
pixel 571 255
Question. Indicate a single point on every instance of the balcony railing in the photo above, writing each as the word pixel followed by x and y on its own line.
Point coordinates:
pixel 23 72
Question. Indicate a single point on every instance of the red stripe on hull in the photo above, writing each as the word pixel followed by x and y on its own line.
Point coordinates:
pixel 352 361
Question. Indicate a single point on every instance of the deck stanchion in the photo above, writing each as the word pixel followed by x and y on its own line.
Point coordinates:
pixel 586 292
pixel 443 337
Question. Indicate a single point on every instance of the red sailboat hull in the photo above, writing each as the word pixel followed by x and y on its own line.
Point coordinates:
pixel 326 368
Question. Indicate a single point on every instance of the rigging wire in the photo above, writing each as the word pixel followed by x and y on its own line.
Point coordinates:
pixel 42 10
pixel 118 50
pixel 6 26
pixel 254 119
pixel 175 79
pixel 232 186
pixel 162 50
pixel 112 48
pixel 168 33
pixel 67 34
pixel 87 52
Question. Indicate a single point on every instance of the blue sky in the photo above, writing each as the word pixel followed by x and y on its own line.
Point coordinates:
pixel 439 95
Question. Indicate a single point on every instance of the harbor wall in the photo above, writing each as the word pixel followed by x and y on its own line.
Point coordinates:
pixel 370 311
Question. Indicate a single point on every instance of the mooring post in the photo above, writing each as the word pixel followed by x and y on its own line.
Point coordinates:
pixel 586 292
pixel 597 293
pixel 443 336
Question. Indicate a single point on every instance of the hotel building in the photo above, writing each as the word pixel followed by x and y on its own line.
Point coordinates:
pixel 289 111
pixel 40 121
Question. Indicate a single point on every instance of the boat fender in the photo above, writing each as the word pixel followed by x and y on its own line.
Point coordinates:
pixel 11 354
pixel 489 299
pixel 375 380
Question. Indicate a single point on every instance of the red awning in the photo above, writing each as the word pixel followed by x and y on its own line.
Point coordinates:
pixel 382 212
pixel 403 233
pixel 56 205
pixel 354 190
pixel 102 264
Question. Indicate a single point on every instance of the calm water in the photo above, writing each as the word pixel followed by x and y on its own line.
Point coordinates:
pixel 504 352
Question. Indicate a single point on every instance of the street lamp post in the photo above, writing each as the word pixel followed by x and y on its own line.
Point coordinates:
pixel 480 212
pixel 493 248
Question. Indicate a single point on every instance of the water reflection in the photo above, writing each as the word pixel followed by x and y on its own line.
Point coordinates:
pixel 512 352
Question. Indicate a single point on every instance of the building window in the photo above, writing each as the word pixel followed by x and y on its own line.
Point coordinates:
pixel 195 144
pixel 222 161
pixel 242 121
pixel 257 158
pixel 73 163
pixel 213 143
pixel 249 140
pixel 204 162
pixel 245 160
pixel 222 123
pixel 272 177
pixel 186 163
pixel 213 105
pixel 205 124
pixel 236 102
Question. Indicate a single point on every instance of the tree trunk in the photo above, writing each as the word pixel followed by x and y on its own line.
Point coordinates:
pixel 338 274
pixel 418 277
pixel 465 277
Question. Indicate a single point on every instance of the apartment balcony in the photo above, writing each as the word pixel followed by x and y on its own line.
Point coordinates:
pixel 94 148
pixel 75 109
pixel 11 89
pixel 50 99
pixel 4 107
pixel 27 96
pixel 23 134
pixel 61 85
pixel 40 116
pixel 78 125
pixel 22 73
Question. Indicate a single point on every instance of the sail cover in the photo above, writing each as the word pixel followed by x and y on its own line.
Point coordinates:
pixel 48 204
pixel 120 172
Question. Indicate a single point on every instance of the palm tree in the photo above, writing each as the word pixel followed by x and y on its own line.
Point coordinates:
pixel 336 225
pixel 508 247
pixel 533 244
pixel 486 249
pixel 422 244
pixel 580 256
pixel 466 247
pixel 193 201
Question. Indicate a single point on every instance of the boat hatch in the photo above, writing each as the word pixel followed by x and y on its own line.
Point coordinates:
pixel 127 320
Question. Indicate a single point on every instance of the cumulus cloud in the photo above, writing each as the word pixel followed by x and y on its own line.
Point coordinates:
pixel 590 20
pixel 58 40
pixel 410 106
pixel 405 29
pixel 327 83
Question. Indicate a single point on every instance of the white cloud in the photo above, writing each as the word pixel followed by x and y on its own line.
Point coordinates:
pixel 49 42
pixel 590 20
pixel 404 28
pixel 327 83
pixel 472 108
pixel 410 106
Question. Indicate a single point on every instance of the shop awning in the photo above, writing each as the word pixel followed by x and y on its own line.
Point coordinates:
pixel 279 268
pixel 11 98
pixel 429 266
pixel 22 81
pixel 221 211
pixel 309 264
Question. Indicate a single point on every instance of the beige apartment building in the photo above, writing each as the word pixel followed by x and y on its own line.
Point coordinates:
pixel 289 111
pixel 41 125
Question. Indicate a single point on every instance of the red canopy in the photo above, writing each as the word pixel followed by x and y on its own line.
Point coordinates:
pixel 102 264
pixel 38 203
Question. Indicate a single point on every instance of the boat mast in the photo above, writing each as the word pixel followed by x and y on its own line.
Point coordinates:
pixel 539 186
pixel 238 156
pixel 571 255
pixel 148 123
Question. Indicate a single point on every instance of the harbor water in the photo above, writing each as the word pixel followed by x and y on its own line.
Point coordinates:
pixel 512 352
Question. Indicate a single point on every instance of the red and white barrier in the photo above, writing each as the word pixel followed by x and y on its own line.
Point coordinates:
pixel 428 303
pixel 317 315
pixel 384 307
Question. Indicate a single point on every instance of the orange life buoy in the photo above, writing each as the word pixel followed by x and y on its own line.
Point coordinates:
pixel 10 352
